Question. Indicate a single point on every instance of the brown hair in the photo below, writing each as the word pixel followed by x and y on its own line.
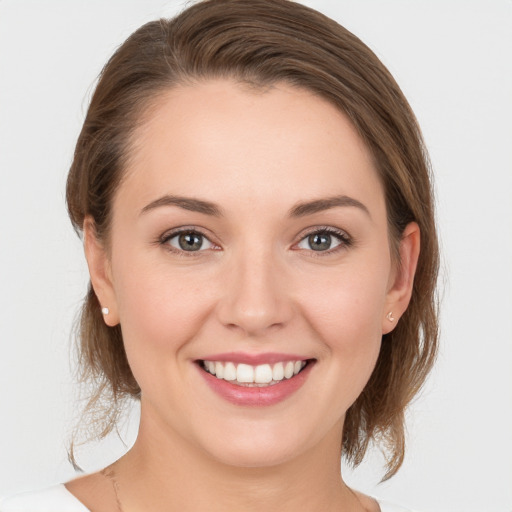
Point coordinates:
pixel 262 42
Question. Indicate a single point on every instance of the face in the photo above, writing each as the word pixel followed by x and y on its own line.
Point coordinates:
pixel 249 242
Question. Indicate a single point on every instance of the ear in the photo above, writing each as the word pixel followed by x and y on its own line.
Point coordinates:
pixel 98 262
pixel 401 284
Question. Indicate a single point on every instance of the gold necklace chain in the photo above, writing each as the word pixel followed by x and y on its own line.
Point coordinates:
pixel 110 474
pixel 358 499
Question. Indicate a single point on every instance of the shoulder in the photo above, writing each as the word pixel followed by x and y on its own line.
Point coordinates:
pixel 371 502
pixel 386 507
pixel 53 499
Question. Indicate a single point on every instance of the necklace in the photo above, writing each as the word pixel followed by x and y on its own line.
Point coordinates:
pixel 110 474
pixel 358 499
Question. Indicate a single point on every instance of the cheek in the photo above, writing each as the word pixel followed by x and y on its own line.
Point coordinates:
pixel 160 308
pixel 160 313
pixel 346 304
pixel 345 311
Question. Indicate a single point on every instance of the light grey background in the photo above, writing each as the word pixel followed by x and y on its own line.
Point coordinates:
pixel 453 61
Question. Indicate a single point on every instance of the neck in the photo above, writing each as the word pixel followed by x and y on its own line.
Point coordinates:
pixel 164 471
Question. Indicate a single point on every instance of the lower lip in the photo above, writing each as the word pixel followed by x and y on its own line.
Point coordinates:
pixel 256 396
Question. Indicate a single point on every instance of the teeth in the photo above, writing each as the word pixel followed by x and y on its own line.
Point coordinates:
pixel 244 373
pixel 288 369
pixel 230 372
pixel 278 372
pixel 219 370
pixel 263 374
pixel 260 375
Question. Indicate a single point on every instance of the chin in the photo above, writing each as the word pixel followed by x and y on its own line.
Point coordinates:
pixel 258 446
pixel 255 456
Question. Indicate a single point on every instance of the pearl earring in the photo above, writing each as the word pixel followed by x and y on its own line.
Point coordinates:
pixel 390 316
pixel 105 311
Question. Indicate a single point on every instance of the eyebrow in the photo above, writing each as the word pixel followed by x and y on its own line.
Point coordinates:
pixel 319 205
pixel 187 203
pixel 299 210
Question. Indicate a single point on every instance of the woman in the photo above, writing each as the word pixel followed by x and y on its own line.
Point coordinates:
pixel 256 210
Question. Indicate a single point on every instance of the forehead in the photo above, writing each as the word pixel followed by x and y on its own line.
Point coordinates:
pixel 224 141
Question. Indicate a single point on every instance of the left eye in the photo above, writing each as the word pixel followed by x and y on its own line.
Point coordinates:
pixel 189 241
pixel 321 241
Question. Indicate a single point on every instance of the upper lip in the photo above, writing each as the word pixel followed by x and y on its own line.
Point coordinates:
pixel 254 359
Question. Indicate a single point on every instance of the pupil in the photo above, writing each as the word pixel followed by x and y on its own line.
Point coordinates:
pixel 320 241
pixel 190 241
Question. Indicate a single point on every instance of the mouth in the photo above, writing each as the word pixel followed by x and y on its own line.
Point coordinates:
pixel 260 376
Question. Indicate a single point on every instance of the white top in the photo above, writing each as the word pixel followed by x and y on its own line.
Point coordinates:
pixel 59 499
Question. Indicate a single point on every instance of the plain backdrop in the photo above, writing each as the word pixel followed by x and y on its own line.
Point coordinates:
pixel 453 61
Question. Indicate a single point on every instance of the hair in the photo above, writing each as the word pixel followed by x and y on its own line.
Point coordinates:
pixel 261 43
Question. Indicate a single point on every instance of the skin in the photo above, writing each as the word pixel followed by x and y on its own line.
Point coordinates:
pixel 255 286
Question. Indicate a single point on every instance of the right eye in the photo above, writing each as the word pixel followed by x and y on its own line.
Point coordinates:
pixel 188 241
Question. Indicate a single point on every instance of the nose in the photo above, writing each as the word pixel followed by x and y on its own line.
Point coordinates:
pixel 256 298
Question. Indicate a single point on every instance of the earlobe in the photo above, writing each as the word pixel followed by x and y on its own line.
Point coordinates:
pixel 400 290
pixel 99 270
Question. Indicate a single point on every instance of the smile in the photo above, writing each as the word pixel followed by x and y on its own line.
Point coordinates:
pixel 253 376
pixel 270 379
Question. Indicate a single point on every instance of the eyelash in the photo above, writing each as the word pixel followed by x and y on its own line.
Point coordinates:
pixel 191 230
pixel 344 239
